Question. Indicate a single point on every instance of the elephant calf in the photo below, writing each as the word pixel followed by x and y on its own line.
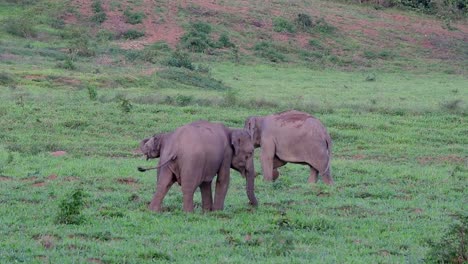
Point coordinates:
pixel 295 137
pixel 193 154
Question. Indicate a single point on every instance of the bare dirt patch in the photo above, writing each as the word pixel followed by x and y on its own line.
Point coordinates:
pixel 442 159
pixel 94 260
pixel 5 178
pixel 129 181
pixel 47 241
pixel 39 184
pixel 58 153
pixel 52 177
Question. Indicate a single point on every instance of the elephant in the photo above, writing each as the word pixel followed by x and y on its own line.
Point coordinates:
pixel 192 155
pixel 291 136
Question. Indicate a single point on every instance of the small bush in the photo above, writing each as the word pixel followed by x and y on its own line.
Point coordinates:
pixel 99 14
pixel 105 35
pixel 67 64
pixel 20 26
pixel 452 105
pixel 70 208
pixel 133 17
pixel 6 78
pixel 125 104
pixel 323 27
pixel 283 25
pixel 371 77
pixel 451 248
pixel 193 79
pixel 180 60
pixel 92 92
pixel 224 41
pixel 198 39
pixel 268 51
pixel 303 21
pixel 133 34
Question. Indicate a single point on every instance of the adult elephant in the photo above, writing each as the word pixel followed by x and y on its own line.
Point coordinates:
pixel 291 136
pixel 193 154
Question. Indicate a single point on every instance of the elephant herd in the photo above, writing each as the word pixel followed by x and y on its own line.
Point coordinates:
pixel 193 154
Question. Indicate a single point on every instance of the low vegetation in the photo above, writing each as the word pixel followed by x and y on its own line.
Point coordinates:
pixel 75 102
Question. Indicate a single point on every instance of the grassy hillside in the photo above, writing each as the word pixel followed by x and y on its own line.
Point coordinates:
pixel 77 94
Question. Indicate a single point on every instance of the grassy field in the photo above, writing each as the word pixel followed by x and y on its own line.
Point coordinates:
pixel 399 157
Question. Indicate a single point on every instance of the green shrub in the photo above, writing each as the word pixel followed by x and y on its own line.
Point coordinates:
pixel 198 39
pixel 180 60
pixel 67 64
pixel 323 27
pixel 20 26
pixel 224 41
pixel 6 78
pixel 70 208
pixel 92 92
pixel 79 42
pixel 99 14
pixel 451 248
pixel 303 21
pixel 283 25
pixel 125 104
pixel 192 78
pixel 268 51
pixel 133 17
pixel 133 34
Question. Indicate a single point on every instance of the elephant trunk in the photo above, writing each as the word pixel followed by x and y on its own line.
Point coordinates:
pixel 250 178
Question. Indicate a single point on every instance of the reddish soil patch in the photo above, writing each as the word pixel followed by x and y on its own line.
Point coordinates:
pixel 358 157
pixel 39 184
pixel 67 81
pixel 129 181
pixel 94 260
pixel 35 77
pixel 52 177
pixel 58 153
pixel 442 159
pixel 47 241
pixel 71 179
pixel 5 178
pixel 28 179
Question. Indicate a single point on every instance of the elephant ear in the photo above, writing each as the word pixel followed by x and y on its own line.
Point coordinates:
pixel 142 145
pixel 236 142
pixel 250 124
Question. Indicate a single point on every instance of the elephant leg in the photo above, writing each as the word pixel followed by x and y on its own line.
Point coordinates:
pixel 313 175
pixel 266 159
pixel 165 181
pixel 326 177
pixel 222 184
pixel 276 164
pixel 188 198
pixel 206 195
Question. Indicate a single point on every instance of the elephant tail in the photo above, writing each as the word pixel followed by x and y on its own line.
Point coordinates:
pixel 329 145
pixel 163 163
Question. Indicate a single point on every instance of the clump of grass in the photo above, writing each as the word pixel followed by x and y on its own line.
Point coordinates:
pixel 70 208
pixel 20 26
pixel 6 78
pixel 224 41
pixel 452 105
pixel 92 92
pixel 193 79
pixel 371 77
pixel 125 104
pixel 303 21
pixel 132 34
pixel 67 64
pixel 133 17
pixel 180 60
pixel 451 248
pixel 269 51
pixel 198 39
pixel 384 54
pixel 281 244
pixel 324 27
pixel 99 14
pixel 281 24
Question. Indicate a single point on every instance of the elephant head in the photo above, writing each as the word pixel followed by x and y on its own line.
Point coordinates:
pixel 151 147
pixel 242 160
pixel 253 124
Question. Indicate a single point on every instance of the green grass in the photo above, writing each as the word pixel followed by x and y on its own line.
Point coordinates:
pixel 399 158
